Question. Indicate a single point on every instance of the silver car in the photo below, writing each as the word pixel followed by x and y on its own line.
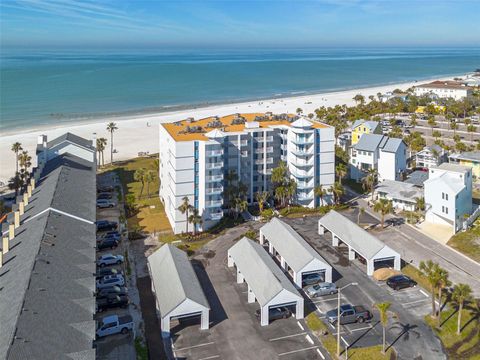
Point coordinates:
pixel 321 289
pixel 109 259
pixel 110 280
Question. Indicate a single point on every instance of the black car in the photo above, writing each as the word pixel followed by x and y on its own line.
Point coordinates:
pixel 104 196
pixel 107 271
pixel 107 244
pixel 102 189
pixel 109 235
pixel 112 290
pixel 312 279
pixel 398 282
pixel 276 313
pixel 112 301
pixel 105 225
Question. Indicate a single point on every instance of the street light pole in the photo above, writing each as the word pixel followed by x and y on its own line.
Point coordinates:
pixel 338 315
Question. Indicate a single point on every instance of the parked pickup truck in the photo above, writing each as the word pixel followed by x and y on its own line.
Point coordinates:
pixel 349 314
pixel 114 324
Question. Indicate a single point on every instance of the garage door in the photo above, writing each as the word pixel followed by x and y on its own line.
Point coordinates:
pixel 189 315
pixel 307 274
pixel 384 263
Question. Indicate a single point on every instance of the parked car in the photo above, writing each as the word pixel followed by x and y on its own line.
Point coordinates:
pixel 110 280
pixel 106 188
pixel 108 271
pixel 349 314
pixel 105 225
pixel 114 324
pixel 398 282
pixel 110 235
pixel 109 259
pixel 107 244
pixel 105 195
pixel 276 313
pixel 321 289
pixel 111 302
pixel 105 203
pixel 117 290
pixel 312 279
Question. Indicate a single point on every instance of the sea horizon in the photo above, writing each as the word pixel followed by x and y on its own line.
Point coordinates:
pixel 57 87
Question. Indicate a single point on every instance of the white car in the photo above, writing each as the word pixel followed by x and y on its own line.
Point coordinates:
pixel 104 203
pixel 109 259
pixel 110 280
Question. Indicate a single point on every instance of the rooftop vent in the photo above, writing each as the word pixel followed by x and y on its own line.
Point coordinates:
pixel 215 124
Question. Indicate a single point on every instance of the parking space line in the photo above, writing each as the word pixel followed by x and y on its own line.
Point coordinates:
pixel 295 351
pixel 195 346
pixel 309 339
pixel 300 325
pixel 360 329
pixel 287 336
pixel 325 300
pixel 415 302
pixel 210 357
pixel 424 293
pixel 320 353
pixel 345 341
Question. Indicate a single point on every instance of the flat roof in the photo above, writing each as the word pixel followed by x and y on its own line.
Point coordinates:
pixel 293 248
pixel 353 235
pixel 452 167
pixel 260 271
pixel 400 190
pixel 178 129
pixel 174 279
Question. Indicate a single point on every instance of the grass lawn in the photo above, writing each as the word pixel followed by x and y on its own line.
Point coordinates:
pixel 463 346
pixel 468 242
pixel 151 215
pixel 415 274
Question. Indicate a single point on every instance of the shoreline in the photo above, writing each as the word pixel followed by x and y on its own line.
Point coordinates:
pixel 139 133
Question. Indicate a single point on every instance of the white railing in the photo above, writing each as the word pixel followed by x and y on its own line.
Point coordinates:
pixel 216 190
pixel 213 178
pixel 216 215
pixel 214 203
pixel 471 219
pixel 214 165
pixel 215 153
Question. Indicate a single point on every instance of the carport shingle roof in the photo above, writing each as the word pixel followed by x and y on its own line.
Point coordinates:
pixel 260 271
pixel 174 279
pixel 290 245
pixel 351 234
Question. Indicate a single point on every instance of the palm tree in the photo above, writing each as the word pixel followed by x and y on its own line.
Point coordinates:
pixel 341 171
pixel 25 160
pixel 320 192
pixel 461 293
pixel 111 127
pixel 16 148
pixel 443 282
pixel 432 271
pixel 361 211
pixel 139 175
pixel 101 143
pixel 15 183
pixel 369 181
pixel 281 194
pixel 240 206
pixel 184 209
pixel 291 190
pixel 338 191
pixel 383 310
pixel 261 197
pixel 384 207
pixel 431 122
pixel 279 173
pixel 195 219
pixel 471 129
pixel 149 178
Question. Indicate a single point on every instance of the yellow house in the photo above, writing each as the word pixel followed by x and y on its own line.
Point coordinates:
pixel 440 109
pixel 361 127
pixel 469 158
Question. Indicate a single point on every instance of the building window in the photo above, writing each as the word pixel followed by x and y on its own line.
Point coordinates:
pixel 443 209
pixel 446 210
pixel 443 196
pixel 446 197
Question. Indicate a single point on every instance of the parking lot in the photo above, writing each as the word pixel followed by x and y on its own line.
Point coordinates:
pixel 235 332
pixel 118 346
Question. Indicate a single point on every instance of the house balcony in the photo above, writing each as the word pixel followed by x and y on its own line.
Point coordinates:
pixel 214 153
pixel 214 178
pixel 214 190
pixel 214 203
pixel 214 165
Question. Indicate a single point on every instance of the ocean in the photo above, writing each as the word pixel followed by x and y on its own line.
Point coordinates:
pixel 38 88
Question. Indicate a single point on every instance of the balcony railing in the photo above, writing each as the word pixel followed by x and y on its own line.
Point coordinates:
pixel 303 140
pixel 214 178
pixel 214 165
pixel 261 150
pixel 262 161
pixel 216 215
pixel 214 153
pixel 305 185
pixel 302 197
pixel 215 190
pixel 301 174
pixel 303 163
pixel 302 152
pixel 214 203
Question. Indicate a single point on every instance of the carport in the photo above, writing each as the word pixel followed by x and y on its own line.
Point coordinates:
pixel 266 282
pixel 294 252
pixel 176 288
pixel 358 241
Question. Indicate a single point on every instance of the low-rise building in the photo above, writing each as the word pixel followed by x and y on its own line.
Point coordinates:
pixel 388 156
pixel 430 156
pixel 469 158
pixel 361 127
pixel 402 195
pixel 448 195
pixel 444 89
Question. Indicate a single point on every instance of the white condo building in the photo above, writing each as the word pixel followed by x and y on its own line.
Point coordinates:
pixel 444 89
pixel 448 195
pixel 197 155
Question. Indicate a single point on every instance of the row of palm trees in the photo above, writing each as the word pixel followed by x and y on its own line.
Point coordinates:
pixel 23 162
pixel 145 177
pixel 102 143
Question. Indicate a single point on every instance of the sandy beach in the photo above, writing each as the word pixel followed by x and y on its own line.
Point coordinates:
pixel 139 133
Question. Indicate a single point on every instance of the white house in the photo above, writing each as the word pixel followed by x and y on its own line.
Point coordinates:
pixel 430 156
pixel 444 89
pixel 386 155
pixel 403 195
pixel 448 195
pixel 197 156
pixel 67 143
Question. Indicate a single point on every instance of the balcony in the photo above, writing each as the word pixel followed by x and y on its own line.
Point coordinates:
pixel 302 174
pixel 303 140
pixel 261 150
pixel 217 215
pixel 214 178
pixel 302 163
pixel 214 165
pixel 305 185
pixel 308 152
pixel 243 143
pixel 214 153
pixel 305 197
pixel 265 138
pixel 214 190
pixel 262 161
pixel 214 203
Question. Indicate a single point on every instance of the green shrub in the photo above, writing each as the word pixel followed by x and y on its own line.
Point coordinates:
pixel 267 214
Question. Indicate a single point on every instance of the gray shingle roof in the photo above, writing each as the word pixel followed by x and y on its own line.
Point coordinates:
pixel 294 249
pixel 174 279
pixel 469 155
pixel 367 123
pixel 417 178
pixel 47 280
pixel 262 274
pixel 351 234
pixel 392 144
pixel 372 142
pixel 71 138
pixel 400 190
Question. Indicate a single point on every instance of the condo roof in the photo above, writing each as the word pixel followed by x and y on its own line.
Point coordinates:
pixel 445 85
pixel 202 128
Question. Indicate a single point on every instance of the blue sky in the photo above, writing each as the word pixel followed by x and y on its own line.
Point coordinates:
pixel 231 23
